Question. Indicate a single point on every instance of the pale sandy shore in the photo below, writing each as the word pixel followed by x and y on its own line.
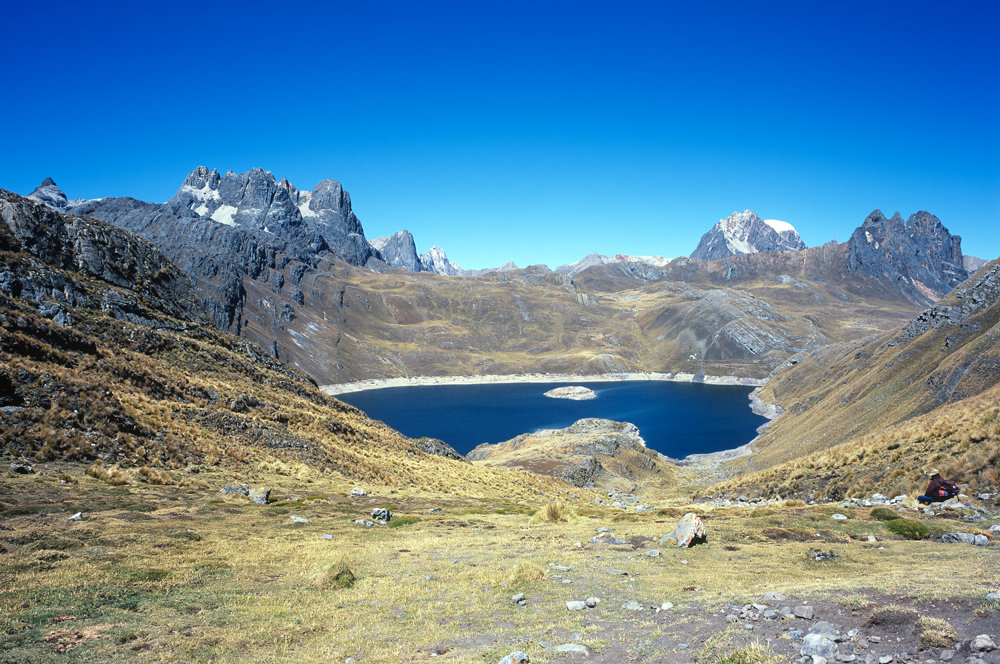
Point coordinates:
pixel 413 381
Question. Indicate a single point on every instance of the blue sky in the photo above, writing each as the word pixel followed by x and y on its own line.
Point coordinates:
pixel 526 131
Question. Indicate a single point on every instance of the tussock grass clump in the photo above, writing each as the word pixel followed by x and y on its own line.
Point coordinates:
pixel 936 633
pixel 523 574
pixel 908 528
pixel 729 647
pixel 114 475
pixel 338 576
pixel 403 521
pixel 155 475
pixel 893 615
pixel 554 513
pixel 883 514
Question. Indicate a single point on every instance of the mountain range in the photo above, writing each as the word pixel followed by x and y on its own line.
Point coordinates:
pixel 293 271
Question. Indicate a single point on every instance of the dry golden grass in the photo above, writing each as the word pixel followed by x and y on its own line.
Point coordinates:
pixel 186 571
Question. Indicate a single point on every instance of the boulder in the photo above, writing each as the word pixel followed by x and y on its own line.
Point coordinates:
pixel 818 645
pixel 516 657
pixel 365 522
pixel 260 495
pixel 965 538
pixel 21 468
pixel 983 643
pixel 689 531
pixel 232 489
pixel 382 515
pixel 357 492
pixel 575 605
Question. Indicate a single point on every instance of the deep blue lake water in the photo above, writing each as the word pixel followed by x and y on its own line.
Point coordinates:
pixel 675 419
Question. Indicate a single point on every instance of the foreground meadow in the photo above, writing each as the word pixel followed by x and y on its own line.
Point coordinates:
pixel 182 573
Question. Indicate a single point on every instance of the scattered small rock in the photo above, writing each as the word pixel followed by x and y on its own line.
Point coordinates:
pixel 885 659
pixel 839 517
pixel 819 555
pixel 76 517
pixel 434 510
pixel 357 492
pixel 21 468
pixel 993 596
pixel 804 612
pixel 365 522
pixel 381 515
pixel 517 657
pixel 773 597
pixel 326 536
pixel 632 605
pixel 298 519
pixel 652 553
pixel 232 488
pixel 573 647
pixel 666 606
pixel 616 572
pixel 591 602
pixel 575 605
pixel 518 599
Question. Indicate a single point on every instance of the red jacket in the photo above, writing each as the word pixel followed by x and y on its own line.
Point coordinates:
pixel 940 488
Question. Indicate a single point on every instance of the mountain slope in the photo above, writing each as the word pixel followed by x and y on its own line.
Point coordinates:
pixel 106 356
pixel 948 353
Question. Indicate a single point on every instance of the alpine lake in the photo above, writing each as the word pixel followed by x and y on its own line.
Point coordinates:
pixel 674 418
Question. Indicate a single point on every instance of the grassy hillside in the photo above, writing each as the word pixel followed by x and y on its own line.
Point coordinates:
pixel 834 394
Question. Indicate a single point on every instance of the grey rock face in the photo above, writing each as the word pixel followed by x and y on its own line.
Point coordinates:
pixel 436 261
pixel 919 255
pixel 439 448
pixel 148 289
pixel 233 488
pixel 746 233
pixel 260 496
pixel 965 538
pixel 49 193
pixel 382 515
pixel 399 250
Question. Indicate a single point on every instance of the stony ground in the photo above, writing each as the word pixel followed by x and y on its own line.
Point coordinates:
pixel 179 574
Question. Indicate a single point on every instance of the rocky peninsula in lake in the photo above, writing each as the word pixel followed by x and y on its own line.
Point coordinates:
pixel 574 392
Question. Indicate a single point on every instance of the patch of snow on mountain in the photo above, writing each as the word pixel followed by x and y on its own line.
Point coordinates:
pixel 780 226
pixel 224 215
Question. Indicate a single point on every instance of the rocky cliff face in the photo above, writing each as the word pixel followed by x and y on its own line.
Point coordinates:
pixel 919 256
pixel 399 250
pixel 746 233
pixel 436 261
pixel 49 249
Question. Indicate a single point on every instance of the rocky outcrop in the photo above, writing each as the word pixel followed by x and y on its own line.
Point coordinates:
pixel 980 291
pixel 591 452
pixel 399 250
pixel 919 256
pixel 436 261
pixel 140 284
pixel 746 233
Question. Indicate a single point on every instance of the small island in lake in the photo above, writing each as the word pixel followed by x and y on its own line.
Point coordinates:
pixel 575 392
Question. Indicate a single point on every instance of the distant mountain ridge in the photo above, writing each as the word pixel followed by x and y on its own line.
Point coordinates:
pixel 746 233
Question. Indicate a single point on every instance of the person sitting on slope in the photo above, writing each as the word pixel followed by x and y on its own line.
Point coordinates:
pixel 938 490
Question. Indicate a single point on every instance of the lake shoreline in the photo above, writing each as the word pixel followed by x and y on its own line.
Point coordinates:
pixel 425 381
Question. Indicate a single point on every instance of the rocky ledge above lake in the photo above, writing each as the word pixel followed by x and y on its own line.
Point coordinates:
pixel 575 392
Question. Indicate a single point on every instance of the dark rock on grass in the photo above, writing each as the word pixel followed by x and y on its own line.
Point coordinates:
pixel 21 468
pixel 232 488
pixel 965 538
pixel 382 515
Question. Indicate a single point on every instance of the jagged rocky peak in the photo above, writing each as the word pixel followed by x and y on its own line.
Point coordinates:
pixel 746 233
pixel 918 254
pixel 48 192
pixel 399 250
pixel 256 201
pixel 435 260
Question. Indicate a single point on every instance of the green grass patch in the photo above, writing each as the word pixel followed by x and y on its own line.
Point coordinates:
pixel 403 521
pixel 883 514
pixel 908 528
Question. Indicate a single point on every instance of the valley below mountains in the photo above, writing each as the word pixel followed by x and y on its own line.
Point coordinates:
pixel 177 486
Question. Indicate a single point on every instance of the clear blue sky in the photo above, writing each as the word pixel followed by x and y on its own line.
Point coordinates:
pixel 528 131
